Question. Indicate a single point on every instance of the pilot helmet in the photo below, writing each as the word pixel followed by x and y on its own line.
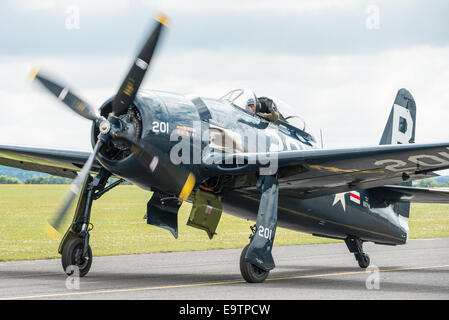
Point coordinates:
pixel 251 105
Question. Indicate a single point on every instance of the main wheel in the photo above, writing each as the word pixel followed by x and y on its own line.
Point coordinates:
pixel 72 256
pixel 250 272
pixel 363 260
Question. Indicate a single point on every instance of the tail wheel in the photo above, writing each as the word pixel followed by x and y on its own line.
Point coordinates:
pixel 363 260
pixel 72 257
pixel 250 272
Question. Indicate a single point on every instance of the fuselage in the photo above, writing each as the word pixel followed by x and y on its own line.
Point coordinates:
pixel 207 127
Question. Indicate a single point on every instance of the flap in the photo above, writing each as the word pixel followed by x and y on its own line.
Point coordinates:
pixel 411 194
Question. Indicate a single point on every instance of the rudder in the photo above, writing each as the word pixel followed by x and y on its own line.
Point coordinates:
pixel 401 124
pixel 400 129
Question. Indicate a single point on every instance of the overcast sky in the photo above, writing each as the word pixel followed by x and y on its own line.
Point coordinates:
pixel 339 63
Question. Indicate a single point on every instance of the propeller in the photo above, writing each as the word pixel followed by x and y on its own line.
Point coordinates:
pixel 54 223
pixel 133 80
pixel 66 96
pixel 158 162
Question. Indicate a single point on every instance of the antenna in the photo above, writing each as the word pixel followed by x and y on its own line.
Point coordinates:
pixel 321 138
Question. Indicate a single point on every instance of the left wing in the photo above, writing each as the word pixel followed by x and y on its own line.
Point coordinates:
pixel 61 163
pixel 312 173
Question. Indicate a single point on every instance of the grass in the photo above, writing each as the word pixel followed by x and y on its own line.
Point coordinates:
pixel 429 221
pixel 120 228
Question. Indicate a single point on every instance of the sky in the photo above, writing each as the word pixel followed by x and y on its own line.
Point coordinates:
pixel 338 63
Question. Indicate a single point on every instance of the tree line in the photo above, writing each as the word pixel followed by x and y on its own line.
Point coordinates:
pixel 430 183
pixel 35 180
pixel 44 180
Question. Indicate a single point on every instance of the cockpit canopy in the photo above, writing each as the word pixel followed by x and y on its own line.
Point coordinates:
pixel 240 98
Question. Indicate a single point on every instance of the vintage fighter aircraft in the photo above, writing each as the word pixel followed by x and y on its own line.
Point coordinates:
pixel 222 157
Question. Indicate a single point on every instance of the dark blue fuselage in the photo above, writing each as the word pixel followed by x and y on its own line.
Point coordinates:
pixel 335 216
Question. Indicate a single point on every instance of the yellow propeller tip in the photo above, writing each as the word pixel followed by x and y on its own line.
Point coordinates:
pixel 33 74
pixel 51 232
pixel 188 187
pixel 162 19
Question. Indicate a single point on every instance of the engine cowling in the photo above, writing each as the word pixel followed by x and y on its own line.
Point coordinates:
pixel 139 121
pixel 116 155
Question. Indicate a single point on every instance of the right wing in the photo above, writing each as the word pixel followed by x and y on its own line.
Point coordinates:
pixel 313 173
pixel 62 163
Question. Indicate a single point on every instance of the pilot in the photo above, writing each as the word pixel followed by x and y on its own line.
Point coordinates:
pixel 263 108
pixel 251 105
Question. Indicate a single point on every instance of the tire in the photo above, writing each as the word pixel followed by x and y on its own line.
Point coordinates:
pixel 71 250
pixel 363 261
pixel 250 272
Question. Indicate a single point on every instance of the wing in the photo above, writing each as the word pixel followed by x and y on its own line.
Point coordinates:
pixel 312 173
pixel 410 194
pixel 61 163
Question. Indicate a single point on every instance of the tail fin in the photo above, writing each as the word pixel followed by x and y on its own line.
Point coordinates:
pixel 400 129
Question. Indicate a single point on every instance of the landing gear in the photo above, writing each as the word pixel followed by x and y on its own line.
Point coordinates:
pixel 256 259
pixel 363 260
pixel 355 245
pixel 74 248
pixel 250 272
pixel 73 256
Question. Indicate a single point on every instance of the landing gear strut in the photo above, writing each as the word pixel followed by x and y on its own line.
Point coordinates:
pixel 355 245
pixel 74 248
pixel 256 259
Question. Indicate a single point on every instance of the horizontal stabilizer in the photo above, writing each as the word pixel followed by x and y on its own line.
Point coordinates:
pixel 411 194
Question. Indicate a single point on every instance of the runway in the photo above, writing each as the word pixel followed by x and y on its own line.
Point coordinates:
pixel 417 270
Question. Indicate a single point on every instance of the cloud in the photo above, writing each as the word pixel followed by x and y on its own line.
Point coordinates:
pixel 56 7
pixel 192 6
pixel 33 5
pixel 34 119
pixel 251 6
pixel 295 27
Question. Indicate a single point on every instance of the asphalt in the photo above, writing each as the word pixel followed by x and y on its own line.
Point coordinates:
pixel 417 270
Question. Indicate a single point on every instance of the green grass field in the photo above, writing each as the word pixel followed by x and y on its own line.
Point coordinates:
pixel 120 228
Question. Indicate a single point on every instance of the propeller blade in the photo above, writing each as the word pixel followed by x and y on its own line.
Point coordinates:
pixel 66 96
pixel 55 223
pixel 167 174
pixel 130 85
